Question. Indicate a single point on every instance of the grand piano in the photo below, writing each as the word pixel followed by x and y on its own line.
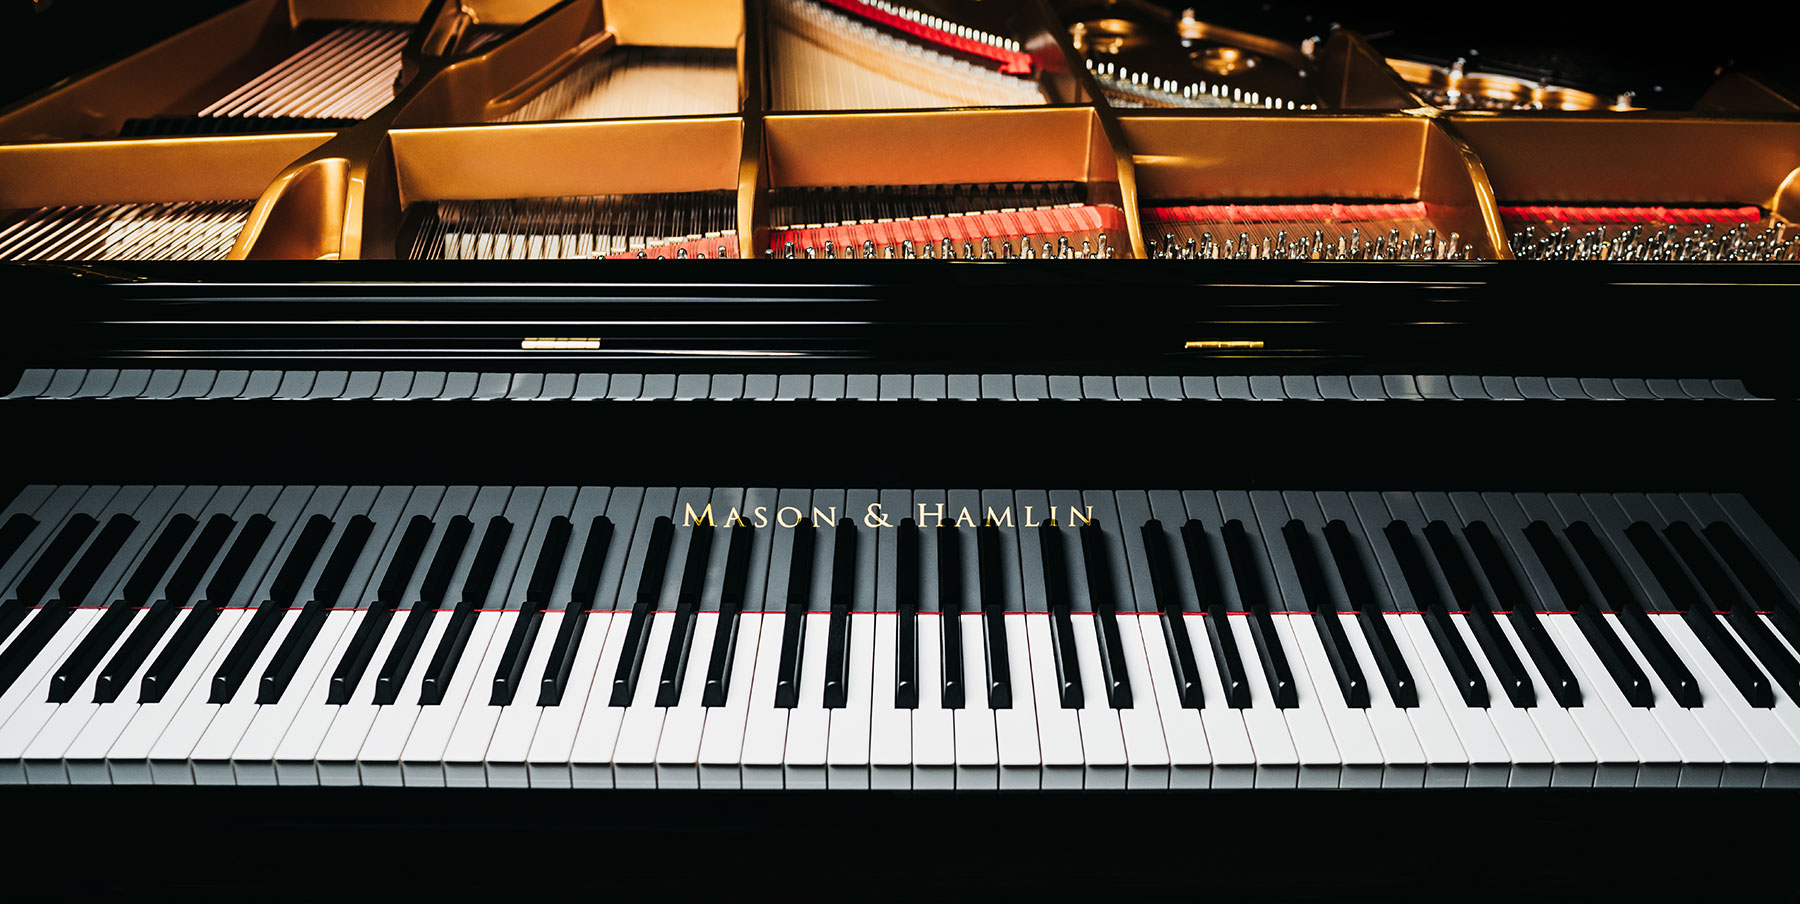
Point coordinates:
pixel 503 436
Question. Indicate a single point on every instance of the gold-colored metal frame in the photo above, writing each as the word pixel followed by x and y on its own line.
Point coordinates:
pixel 342 195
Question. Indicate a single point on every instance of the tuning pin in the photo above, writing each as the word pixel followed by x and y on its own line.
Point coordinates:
pixel 906 248
pixel 787 250
pixel 722 255
pixel 948 251
pixel 681 254
pixel 830 253
pixel 811 253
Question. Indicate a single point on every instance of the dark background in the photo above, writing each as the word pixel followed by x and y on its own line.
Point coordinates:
pixel 1612 46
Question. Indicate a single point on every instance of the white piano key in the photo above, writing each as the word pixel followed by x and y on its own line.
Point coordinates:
pixel 809 723
pixel 1190 757
pixel 847 754
pixel 1747 764
pixel 128 759
pixel 547 762
pixel 1015 727
pixel 465 752
pixel 187 714
pixel 1489 764
pixel 422 759
pixel 517 729
pixel 933 726
pixel 1646 753
pixel 1102 740
pixel 1359 755
pixel 45 758
pixel 1703 762
pixel 23 711
pixel 211 751
pixel 1403 756
pixel 377 758
pixel 1532 764
pixel 1146 749
pixel 1234 760
pixel 254 760
pixel 678 752
pixel 890 728
pixel 1059 729
pixel 722 740
pixel 765 724
pixel 1278 759
pixel 640 727
pixel 1574 763
pixel 977 744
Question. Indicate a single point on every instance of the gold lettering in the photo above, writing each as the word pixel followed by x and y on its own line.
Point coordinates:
pixel 781 516
pixel 762 516
pixel 875 517
pixel 1085 519
pixel 965 517
pixel 819 519
pixel 703 518
pixel 1028 521
pixel 939 515
pixel 734 519
pixel 1005 518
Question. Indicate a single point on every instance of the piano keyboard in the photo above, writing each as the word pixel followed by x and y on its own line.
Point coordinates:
pixel 760 638
pixel 1335 231
pixel 640 81
pixel 55 384
pixel 671 225
pixel 1644 233
pixel 197 230
pixel 824 58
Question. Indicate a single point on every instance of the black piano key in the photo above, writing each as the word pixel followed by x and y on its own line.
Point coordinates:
pixel 201 618
pixel 1698 613
pixel 300 560
pixel 1350 680
pixel 50 563
pixel 81 663
pixel 355 661
pixel 993 613
pixel 118 671
pixel 950 607
pixel 1106 617
pixel 637 628
pixel 326 596
pixel 793 624
pixel 1632 614
pixel 906 609
pixel 511 668
pixel 687 603
pixel 1515 682
pixel 731 610
pixel 1763 644
pixel 1170 614
pixel 267 618
pixel 413 629
pixel 79 582
pixel 13 534
pixel 1062 629
pixel 1212 604
pixel 1620 665
pixel 1765 592
pixel 71 594
pixel 1555 670
pixel 581 602
pixel 1262 626
pixel 1461 663
pixel 837 634
pixel 480 579
pixel 1351 573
